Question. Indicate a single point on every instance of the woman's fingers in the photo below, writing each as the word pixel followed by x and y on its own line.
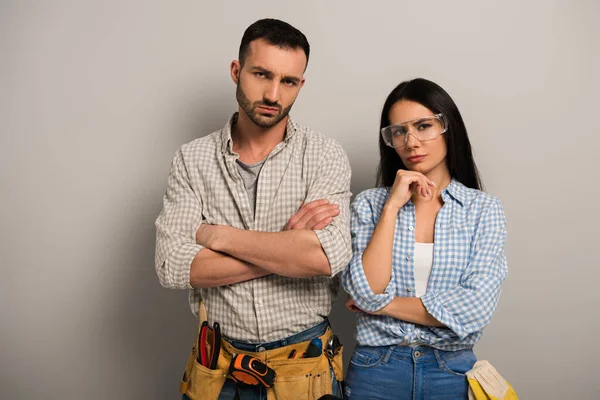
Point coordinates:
pixel 351 306
pixel 421 184
pixel 409 183
pixel 421 187
pixel 426 187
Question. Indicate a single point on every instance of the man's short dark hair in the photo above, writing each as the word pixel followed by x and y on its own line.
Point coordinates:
pixel 275 32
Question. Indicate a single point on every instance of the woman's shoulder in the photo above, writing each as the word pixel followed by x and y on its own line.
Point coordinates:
pixel 478 205
pixel 369 203
pixel 374 196
pixel 473 198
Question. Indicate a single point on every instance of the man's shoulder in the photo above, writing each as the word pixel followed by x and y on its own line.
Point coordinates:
pixel 317 140
pixel 202 146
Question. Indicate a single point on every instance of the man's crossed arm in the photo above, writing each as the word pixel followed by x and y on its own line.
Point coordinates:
pixel 232 255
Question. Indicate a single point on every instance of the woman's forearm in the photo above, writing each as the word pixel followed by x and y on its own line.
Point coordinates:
pixel 410 309
pixel 377 257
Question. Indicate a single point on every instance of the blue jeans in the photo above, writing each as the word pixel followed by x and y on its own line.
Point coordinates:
pixel 231 391
pixel 408 373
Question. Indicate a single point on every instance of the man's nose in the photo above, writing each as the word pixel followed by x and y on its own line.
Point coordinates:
pixel 272 93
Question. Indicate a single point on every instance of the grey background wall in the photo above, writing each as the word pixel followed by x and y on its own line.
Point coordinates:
pixel 97 96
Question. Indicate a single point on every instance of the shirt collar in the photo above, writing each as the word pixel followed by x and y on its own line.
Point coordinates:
pixel 227 143
pixel 457 191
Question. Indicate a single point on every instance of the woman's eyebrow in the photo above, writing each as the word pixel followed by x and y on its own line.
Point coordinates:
pixel 420 120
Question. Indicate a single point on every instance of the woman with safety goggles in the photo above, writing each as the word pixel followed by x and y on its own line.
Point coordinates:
pixel 428 260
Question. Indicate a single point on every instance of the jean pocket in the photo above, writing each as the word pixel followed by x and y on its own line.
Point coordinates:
pixel 366 357
pixel 457 363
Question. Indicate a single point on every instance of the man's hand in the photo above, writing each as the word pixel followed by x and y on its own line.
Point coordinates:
pixel 207 234
pixel 314 216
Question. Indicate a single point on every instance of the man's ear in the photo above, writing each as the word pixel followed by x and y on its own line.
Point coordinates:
pixel 235 69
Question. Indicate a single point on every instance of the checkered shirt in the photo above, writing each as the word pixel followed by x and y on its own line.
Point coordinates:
pixel 469 267
pixel 205 186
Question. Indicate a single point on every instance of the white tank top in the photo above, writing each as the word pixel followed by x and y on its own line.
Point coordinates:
pixel 423 265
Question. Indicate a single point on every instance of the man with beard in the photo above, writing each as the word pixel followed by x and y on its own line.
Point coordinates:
pixel 255 224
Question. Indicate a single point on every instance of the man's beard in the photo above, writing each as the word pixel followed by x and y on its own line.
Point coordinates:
pixel 260 120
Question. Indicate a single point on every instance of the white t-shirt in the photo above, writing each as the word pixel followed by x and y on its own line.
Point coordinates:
pixel 423 265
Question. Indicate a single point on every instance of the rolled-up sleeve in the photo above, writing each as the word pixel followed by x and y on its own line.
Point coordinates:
pixel 354 280
pixel 176 228
pixel 469 307
pixel 332 182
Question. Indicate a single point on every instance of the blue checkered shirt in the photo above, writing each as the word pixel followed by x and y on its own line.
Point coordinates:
pixel 469 266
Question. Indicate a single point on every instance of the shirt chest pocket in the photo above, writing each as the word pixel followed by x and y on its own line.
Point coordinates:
pixel 459 246
pixel 219 209
pixel 271 210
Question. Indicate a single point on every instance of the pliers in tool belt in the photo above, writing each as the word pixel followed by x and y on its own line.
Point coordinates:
pixel 212 335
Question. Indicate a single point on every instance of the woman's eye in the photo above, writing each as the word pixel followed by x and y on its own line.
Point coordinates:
pixel 423 127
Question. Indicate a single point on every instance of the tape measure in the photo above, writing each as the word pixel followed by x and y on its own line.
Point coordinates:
pixel 251 371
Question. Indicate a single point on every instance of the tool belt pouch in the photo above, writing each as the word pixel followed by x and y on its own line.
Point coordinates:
pixel 199 382
pixel 297 378
pixel 304 378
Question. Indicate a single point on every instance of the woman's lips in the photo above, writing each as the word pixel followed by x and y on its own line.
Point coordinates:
pixel 415 159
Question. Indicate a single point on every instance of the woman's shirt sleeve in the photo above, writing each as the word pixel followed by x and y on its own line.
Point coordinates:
pixel 469 306
pixel 363 220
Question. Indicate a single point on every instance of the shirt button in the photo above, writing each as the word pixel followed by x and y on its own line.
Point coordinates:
pixel 410 228
pixel 409 289
pixel 407 258
pixel 259 302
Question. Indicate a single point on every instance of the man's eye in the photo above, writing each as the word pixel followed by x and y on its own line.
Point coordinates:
pixel 289 83
pixel 259 74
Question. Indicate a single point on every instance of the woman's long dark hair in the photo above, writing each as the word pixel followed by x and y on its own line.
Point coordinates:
pixel 459 158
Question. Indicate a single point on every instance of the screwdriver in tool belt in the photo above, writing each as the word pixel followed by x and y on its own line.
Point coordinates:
pixel 315 348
